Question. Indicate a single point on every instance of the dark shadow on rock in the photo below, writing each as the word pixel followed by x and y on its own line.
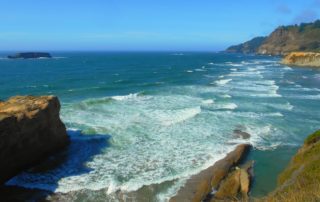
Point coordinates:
pixel 33 184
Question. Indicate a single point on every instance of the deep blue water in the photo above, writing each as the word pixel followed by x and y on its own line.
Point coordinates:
pixel 166 115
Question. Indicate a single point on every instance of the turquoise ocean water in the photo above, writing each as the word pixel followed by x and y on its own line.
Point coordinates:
pixel 152 118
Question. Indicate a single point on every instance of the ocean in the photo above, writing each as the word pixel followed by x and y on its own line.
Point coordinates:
pixel 152 119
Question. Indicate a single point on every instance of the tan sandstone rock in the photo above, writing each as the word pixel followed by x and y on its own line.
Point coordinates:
pixel 30 131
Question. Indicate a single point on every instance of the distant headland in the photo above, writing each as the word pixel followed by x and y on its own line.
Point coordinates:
pixel 28 55
pixel 283 40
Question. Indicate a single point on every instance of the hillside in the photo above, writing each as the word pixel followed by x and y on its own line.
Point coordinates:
pixel 250 46
pixel 286 39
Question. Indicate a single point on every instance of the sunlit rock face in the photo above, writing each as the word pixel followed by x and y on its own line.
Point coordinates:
pixel 30 131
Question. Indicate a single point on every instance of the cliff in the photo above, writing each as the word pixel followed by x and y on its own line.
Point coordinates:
pixel 300 181
pixel 30 131
pixel 248 46
pixel 302 59
pixel 286 39
pixel 29 55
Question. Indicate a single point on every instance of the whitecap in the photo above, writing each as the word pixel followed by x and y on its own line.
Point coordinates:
pixel 287 68
pixel 209 101
pixel 230 106
pixel 222 81
pixel 200 70
pixel 125 97
pixel 233 64
pixel 225 96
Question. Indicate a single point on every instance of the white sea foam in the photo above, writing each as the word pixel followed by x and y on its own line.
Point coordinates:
pixel 230 106
pixel 209 101
pixel 287 68
pixel 125 97
pixel 200 70
pixel 189 71
pixel 236 65
pixel 226 96
pixel 286 106
pixel 222 81
pixel 176 116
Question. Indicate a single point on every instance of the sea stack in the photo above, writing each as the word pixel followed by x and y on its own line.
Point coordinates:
pixel 29 55
pixel 30 131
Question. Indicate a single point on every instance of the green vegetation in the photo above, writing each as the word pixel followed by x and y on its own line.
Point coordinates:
pixel 313 138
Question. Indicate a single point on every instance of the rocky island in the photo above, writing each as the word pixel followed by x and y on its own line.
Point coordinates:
pixel 30 131
pixel 29 55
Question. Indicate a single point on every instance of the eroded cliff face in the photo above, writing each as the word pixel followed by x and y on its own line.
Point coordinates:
pixel 286 39
pixel 281 41
pixel 302 59
pixel 30 131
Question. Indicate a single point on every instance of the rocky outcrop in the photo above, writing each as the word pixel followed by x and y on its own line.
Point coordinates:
pixel 29 55
pixel 248 46
pixel 236 185
pixel 310 59
pixel 300 181
pixel 200 186
pixel 30 131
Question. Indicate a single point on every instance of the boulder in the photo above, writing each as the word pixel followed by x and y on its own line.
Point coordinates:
pixel 30 131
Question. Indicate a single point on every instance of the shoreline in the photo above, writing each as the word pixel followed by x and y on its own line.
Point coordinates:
pixel 222 167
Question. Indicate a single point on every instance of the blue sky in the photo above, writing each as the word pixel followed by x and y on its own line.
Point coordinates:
pixel 207 25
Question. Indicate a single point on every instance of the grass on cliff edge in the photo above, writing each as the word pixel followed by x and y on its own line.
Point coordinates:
pixel 300 181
